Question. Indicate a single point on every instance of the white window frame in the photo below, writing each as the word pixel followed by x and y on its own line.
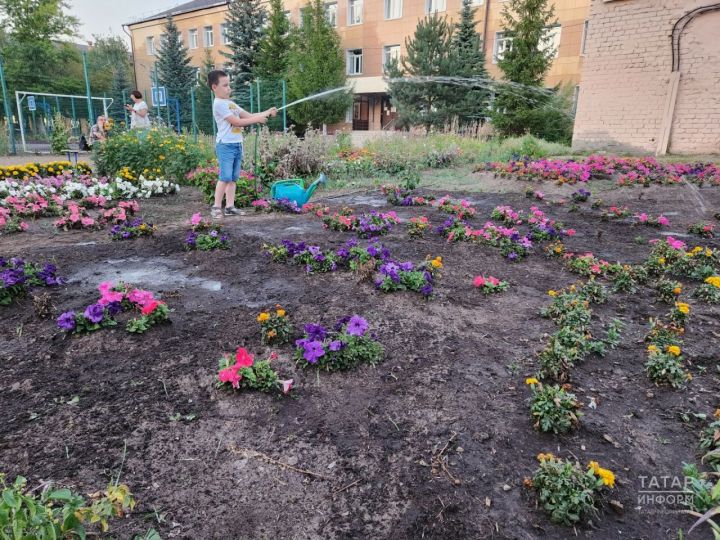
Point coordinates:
pixel 500 45
pixel 224 38
pixel 435 6
pixel 477 2
pixel 150 45
pixel 583 40
pixel 354 62
pixel 387 56
pixel 193 38
pixel 355 12
pixel 208 36
pixel 391 14
pixel 552 39
pixel 162 41
pixel 332 21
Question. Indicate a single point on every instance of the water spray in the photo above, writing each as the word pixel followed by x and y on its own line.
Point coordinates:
pixel 316 96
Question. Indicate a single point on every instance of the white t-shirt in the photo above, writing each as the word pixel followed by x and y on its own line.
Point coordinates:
pixel 137 121
pixel 227 133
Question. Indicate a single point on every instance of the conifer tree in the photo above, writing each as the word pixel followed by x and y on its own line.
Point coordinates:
pixel 429 54
pixel 274 49
pixel 174 70
pixel 120 93
pixel 525 106
pixel 470 63
pixel 316 64
pixel 245 22
pixel 203 95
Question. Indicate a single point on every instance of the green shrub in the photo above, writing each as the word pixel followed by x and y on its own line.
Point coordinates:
pixel 553 408
pixel 153 154
pixel 60 134
pixel 206 178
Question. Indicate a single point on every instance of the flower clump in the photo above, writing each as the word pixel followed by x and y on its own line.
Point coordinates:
pixel 242 372
pixel 17 277
pixel 344 346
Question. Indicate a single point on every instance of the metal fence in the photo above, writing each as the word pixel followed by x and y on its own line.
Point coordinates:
pixel 32 117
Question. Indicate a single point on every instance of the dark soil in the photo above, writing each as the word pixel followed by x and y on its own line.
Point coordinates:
pixel 454 373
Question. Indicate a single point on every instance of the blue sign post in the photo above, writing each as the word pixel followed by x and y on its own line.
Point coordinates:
pixel 32 106
pixel 159 96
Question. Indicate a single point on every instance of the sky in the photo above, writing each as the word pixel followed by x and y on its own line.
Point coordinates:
pixel 107 16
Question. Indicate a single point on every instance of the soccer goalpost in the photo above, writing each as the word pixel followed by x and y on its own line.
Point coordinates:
pixel 37 110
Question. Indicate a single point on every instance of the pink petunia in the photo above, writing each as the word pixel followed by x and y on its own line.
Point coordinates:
pixel 243 358
pixel 570 232
pixel 196 219
pixel 479 281
pixel 140 297
pixel 230 375
pixel 87 222
pixel 493 281
pixel 643 218
pixel 662 220
pixel 287 385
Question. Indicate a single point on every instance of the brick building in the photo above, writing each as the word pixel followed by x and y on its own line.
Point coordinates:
pixel 651 77
pixel 371 31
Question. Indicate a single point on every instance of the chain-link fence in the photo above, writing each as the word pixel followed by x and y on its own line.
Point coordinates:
pixel 39 122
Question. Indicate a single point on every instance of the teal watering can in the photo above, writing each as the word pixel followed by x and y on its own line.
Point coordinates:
pixel 294 190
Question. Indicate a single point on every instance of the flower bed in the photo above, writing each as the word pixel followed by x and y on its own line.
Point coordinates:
pixel 205 235
pixel 17 277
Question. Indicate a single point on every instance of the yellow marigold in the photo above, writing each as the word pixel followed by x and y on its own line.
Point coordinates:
pixel 688 376
pixel 558 249
pixel 436 264
pixel 263 317
pixel 717 413
pixel 697 249
pixel 714 281
pixel 545 457
pixel 607 477
pixel 674 350
pixel 531 380
pixel 652 349
pixel 661 260
pixel 708 252
pixel 280 312
pixel 682 307
pixel 677 290
pixel 271 334
pixel 594 466
pixel 161 157
pixel 552 293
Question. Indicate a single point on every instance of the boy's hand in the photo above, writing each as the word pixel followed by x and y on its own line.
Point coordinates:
pixel 262 119
pixel 272 111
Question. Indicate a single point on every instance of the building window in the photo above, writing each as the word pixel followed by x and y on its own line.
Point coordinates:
pixel 583 41
pixel 552 40
pixel 331 14
pixel 193 38
pixel 354 62
pixel 390 52
pixel 163 40
pixel 393 9
pixel 434 6
pixel 476 2
pixel 224 34
pixel 501 46
pixel 150 45
pixel 209 38
pixel 355 9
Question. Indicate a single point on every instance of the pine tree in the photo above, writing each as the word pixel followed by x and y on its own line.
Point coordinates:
pixel 528 108
pixel 120 93
pixel 274 50
pixel 429 54
pixel 470 63
pixel 174 70
pixel 245 21
pixel 316 63
pixel 203 95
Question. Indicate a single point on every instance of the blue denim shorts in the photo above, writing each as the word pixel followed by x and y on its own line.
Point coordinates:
pixel 230 158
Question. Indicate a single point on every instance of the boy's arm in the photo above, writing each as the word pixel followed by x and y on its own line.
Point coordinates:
pixel 248 119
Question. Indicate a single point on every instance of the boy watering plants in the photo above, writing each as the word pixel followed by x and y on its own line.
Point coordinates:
pixel 230 119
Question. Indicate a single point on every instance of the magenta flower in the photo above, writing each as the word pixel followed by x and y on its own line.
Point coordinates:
pixel 357 326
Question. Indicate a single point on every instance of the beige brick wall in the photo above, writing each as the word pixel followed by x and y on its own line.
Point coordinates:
pixel 624 84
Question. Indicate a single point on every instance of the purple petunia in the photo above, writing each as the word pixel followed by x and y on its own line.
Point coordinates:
pixel 315 332
pixel 114 308
pixel 313 351
pixel 341 322
pixel 94 313
pixel 426 290
pixel 66 321
pixel 335 345
pixel 357 326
